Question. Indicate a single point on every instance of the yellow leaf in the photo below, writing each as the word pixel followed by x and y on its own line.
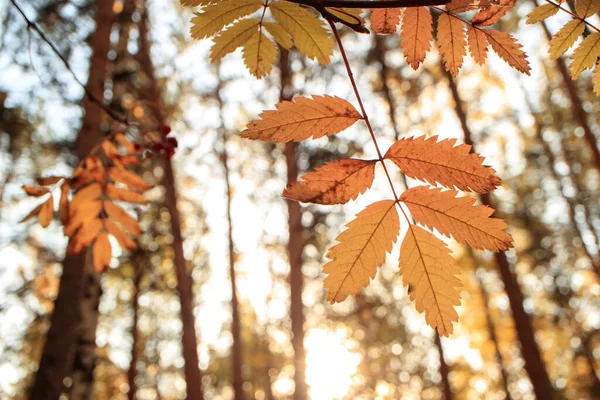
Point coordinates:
pixel 316 117
pixel 565 38
pixel 478 44
pixel 35 191
pixel 585 55
pixel 441 162
pixel 337 182
pixel 215 17
pixel 596 80
pixel 85 236
pixel 308 33
pixel 84 195
pixel 350 16
pixel 361 249
pixel 385 20
pixel 229 40
pixel 78 216
pixel 452 41
pixel 587 8
pixel 431 276
pixel 119 194
pixel 63 204
pixel 124 240
pixel 457 217
pixel 47 212
pixel 260 54
pixel 128 178
pixel 119 215
pixel 542 12
pixel 416 35
pixel 281 36
pixel 508 49
pixel 102 252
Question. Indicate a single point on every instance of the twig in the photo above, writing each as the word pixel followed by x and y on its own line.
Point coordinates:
pixel 319 4
pixel 32 25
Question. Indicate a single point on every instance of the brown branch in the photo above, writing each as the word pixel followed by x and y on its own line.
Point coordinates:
pixel 320 4
pixel 32 25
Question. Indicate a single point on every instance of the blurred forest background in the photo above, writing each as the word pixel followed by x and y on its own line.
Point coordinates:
pixel 223 298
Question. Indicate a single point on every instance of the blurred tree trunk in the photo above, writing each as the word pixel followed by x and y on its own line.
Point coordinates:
pixel 444 370
pixel 193 377
pixel 75 307
pixel 295 245
pixel 132 372
pixel 579 113
pixel 236 348
pixel 534 364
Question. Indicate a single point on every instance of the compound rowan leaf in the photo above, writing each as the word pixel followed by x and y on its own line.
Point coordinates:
pixel 443 163
pixel 416 35
pixel 585 55
pixel 122 238
pixel 508 49
pixel 493 13
pixel 478 44
pixel 281 36
pixel 128 178
pixel 565 38
pixel 310 37
pixel 120 194
pixel 457 217
pixel 337 182
pixel 430 273
pixel 587 8
pixel 232 38
pixel 452 40
pixel 215 17
pixel 361 249
pixel 306 117
pixel 542 12
pixel 260 54
pixel 102 252
pixel 47 212
pixel 385 20
pixel 119 215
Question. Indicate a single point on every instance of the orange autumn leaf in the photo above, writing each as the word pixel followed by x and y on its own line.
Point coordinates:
pixel 430 273
pixel 452 40
pixel 416 35
pixel 361 249
pixel 128 178
pixel 122 238
pixel 102 252
pixel 85 236
pixel 119 215
pixel 457 217
pixel 306 117
pixel 81 214
pixel 47 212
pixel 120 194
pixel 35 191
pixel 443 163
pixel 336 182
pixel 385 20
pixel 493 13
pixel 478 44
pixel 508 49
pixel 63 205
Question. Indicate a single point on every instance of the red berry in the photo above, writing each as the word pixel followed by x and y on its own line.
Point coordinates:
pixel 158 146
pixel 138 146
pixel 166 129
pixel 172 141
pixel 168 147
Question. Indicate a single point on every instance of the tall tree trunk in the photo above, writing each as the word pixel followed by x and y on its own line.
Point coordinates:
pixel 58 355
pixel 534 364
pixel 579 113
pixel 236 348
pixel 132 373
pixel 193 377
pixel 444 370
pixel 295 245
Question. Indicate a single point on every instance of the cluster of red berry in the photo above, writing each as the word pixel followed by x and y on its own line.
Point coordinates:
pixel 168 145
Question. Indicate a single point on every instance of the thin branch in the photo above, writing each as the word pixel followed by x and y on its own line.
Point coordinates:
pixel 32 25
pixel 572 14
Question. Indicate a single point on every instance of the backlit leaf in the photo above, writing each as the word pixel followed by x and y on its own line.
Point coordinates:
pixel 119 215
pixel 337 182
pixel 232 38
pixel 587 8
pixel 457 217
pixel 431 276
pixel 215 17
pixel 260 54
pixel 585 55
pixel 361 249
pixel 565 38
pixel 416 35
pixel 542 12
pixel 385 20
pixel 47 212
pixel 478 44
pixel 508 49
pixel 102 252
pixel 120 194
pixel 123 238
pixel 452 40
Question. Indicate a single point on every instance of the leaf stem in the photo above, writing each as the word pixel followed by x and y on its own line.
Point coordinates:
pixel 360 103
